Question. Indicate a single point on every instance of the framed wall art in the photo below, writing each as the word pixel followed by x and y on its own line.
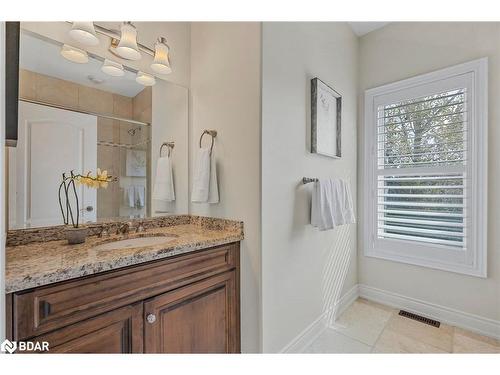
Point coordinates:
pixel 326 111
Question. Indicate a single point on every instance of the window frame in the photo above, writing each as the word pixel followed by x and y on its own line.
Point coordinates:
pixel 473 259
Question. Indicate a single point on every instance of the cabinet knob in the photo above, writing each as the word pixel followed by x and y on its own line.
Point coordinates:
pixel 151 318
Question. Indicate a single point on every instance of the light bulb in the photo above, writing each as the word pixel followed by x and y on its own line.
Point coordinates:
pixel 127 48
pixel 161 63
pixel 112 68
pixel 84 33
pixel 74 54
pixel 145 79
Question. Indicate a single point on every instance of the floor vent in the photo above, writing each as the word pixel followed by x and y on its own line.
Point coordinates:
pixel 419 318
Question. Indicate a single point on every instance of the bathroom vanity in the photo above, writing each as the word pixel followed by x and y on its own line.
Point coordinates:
pixel 179 296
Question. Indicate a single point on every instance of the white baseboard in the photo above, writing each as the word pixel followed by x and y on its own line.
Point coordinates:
pixel 316 328
pixel 471 322
pixel 345 301
pixel 307 336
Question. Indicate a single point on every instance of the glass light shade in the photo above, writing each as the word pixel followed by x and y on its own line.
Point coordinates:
pixel 74 54
pixel 145 79
pixel 127 48
pixel 84 33
pixel 112 68
pixel 161 63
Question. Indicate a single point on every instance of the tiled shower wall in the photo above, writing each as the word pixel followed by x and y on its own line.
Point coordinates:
pixel 140 109
pixel 111 202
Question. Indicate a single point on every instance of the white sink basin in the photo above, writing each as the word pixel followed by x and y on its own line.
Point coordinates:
pixel 134 242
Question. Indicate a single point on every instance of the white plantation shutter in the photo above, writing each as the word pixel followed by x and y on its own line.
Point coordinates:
pixel 428 133
pixel 425 161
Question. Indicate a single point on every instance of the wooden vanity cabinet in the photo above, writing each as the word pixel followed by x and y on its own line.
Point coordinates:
pixel 185 304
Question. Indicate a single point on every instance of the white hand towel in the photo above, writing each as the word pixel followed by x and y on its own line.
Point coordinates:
pixel 164 182
pixel 140 192
pixel 213 187
pixel 205 189
pixel 331 204
pixel 130 196
pixel 201 177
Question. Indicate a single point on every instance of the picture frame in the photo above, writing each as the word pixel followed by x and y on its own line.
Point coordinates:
pixel 326 119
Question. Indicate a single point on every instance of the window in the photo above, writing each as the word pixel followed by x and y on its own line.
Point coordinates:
pixel 425 170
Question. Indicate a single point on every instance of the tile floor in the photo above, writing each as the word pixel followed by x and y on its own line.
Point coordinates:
pixel 368 327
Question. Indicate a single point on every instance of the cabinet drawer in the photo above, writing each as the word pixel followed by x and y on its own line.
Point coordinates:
pixel 47 308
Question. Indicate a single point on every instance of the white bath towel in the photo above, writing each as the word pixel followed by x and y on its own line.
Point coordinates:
pixel 331 204
pixel 205 188
pixel 140 194
pixel 163 189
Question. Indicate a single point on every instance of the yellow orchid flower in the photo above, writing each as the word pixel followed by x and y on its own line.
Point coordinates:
pixel 102 177
pixel 100 180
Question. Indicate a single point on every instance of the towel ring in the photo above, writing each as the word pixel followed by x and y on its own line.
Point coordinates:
pixel 169 145
pixel 212 133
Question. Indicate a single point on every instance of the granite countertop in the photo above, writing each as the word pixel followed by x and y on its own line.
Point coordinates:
pixel 41 263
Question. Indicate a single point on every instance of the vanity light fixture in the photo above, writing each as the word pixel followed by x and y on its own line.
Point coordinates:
pixel 84 32
pixel 124 44
pixel 112 68
pixel 145 79
pixel 127 47
pixel 74 54
pixel 161 63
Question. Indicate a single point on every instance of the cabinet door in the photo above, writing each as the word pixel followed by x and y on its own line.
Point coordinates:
pixel 118 331
pixel 200 318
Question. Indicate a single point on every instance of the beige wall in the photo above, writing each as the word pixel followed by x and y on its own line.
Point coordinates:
pixel 225 95
pixel 304 271
pixel 403 50
pixel 142 105
pixel 52 90
pixel 170 124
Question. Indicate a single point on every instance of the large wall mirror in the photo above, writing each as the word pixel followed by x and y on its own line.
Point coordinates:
pixel 73 116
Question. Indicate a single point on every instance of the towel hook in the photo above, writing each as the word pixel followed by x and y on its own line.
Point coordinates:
pixel 169 145
pixel 212 133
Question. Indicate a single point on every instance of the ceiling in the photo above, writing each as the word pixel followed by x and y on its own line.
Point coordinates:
pixel 43 57
pixel 362 28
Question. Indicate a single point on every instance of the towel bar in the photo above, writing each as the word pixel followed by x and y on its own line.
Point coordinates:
pixel 306 180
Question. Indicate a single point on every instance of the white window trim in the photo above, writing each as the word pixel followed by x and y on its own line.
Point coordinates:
pixel 474 261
